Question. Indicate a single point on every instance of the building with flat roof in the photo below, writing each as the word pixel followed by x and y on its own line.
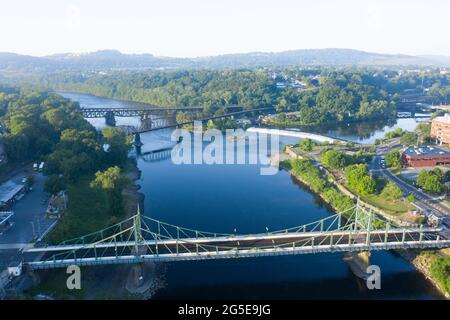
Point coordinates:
pixel 440 129
pixel 425 156
pixel 10 191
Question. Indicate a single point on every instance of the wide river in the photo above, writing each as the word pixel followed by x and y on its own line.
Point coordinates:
pixel 236 198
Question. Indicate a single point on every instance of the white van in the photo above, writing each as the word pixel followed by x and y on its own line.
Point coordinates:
pixel 41 166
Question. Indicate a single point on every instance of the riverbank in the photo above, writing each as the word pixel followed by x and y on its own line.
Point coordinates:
pixel 133 199
pixel 424 261
pixel 138 280
pixel 99 282
pixel 317 184
pixel 311 177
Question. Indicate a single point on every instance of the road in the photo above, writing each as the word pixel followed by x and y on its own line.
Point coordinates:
pixel 424 201
pixel 29 220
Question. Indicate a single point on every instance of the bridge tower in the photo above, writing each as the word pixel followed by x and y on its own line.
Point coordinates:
pixel 110 119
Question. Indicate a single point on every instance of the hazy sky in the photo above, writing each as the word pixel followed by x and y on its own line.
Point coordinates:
pixel 208 27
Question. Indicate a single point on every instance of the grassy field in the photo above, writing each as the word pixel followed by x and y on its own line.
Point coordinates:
pixel 395 208
pixel 87 211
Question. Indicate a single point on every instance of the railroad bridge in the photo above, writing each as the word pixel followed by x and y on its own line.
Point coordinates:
pixel 151 117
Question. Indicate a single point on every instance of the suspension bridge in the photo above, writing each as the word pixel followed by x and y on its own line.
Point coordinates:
pixel 141 239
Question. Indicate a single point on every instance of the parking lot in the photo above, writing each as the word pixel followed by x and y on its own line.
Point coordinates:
pixel 29 218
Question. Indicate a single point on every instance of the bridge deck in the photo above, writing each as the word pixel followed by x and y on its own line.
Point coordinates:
pixel 101 112
pixel 225 247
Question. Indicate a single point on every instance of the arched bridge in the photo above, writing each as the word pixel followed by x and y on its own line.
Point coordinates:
pixel 142 239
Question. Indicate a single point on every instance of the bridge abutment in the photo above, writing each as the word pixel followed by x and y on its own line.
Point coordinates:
pixel 146 121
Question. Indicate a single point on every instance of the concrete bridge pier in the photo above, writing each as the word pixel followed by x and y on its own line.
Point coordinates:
pixel 110 119
pixel 146 121
pixel 141 278
pixel 137 142
pixel 358 263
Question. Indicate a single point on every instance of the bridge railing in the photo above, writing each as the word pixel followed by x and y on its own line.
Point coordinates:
pixel 141 235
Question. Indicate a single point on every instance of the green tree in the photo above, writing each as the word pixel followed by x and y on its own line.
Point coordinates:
pixel 408 139
pixel 410 198
pixel 393 134
pixel 54 184
pixel 391 191
pixel 393 159
pixel 306 145
pixel 359 180
pixel 112 182
pixel 425 131
pixel 334 159
pixel 118 145
pixel 430 181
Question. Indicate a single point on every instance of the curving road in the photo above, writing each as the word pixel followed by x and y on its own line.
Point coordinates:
pixel 423 200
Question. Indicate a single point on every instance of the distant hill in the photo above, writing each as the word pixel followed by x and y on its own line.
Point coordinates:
pixel 13 61
pixel 113 59
pixel 333 57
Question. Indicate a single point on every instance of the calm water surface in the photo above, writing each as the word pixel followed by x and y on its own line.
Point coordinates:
pixel 222 198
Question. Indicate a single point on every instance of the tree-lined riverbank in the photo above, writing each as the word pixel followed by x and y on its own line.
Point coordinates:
pixel 435 266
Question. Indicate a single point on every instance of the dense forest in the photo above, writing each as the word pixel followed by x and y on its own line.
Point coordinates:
pixel 46 126
pixel 43 126
pixel 320 96
pixel 312 95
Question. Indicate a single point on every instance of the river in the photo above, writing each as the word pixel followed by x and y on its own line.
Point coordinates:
pixel 225 198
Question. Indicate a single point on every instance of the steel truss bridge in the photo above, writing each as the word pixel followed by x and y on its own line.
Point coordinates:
pixel 141 239
pixel 141 111
pixel 157 118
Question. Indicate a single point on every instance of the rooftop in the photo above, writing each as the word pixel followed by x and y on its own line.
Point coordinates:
pixel 445 118
pixel 425 151
pixel 8 190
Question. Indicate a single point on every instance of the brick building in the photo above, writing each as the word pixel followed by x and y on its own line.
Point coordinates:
pixel 425 156
pixel 440 129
